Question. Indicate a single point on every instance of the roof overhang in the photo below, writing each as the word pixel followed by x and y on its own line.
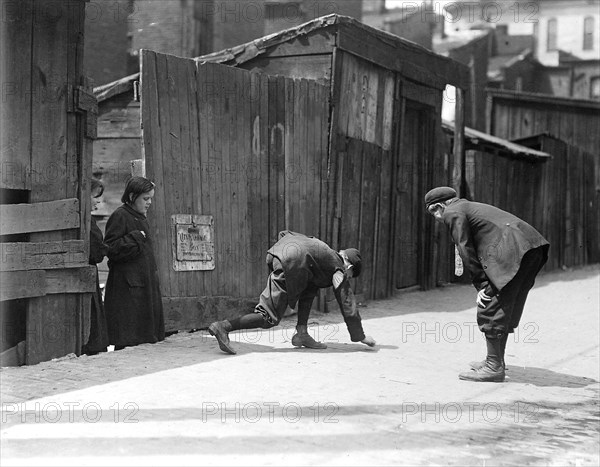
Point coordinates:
pixel 480 141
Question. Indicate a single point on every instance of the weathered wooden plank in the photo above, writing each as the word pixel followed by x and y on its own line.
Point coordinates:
pixel 413 64
pixel 195 280
pixel 261 244
pixel 256 178
pixel 112 156
pixel 400 122
pixel 203 179
pixel 187 313
pixel 223 134
pixel 320 41
pixel 17 94
pixel 159 168
pixel 277 129
pixel 74 280
pixel 39 217
pixel 368 223
pixel 86 137
pixel 372 106
pixel 120 122
pixel 174 191
pixel 420 93
pixel 384 239
pixel 302 159
pixel 56 128
pixel 459 143
pixel 313 67
pixel 326 128
pixel 22 284
pixel 318 119
pixel 20 256
pixel 328 220
pixel 51 334
pixel 243 123
pixel 406 242
pixel 289 153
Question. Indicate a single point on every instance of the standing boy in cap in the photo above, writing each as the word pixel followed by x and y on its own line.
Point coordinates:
pixel 300 266
pixel 503 255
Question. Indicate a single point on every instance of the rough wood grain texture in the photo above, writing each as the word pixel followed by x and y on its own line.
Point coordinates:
pixel 410 64
pixel 59 155
pixel 39 217
pixel 36 283
pixel 313 67
pixel 22 284
pixel 43 255
pixel 17 95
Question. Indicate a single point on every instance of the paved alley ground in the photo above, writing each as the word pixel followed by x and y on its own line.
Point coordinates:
pixel 184 402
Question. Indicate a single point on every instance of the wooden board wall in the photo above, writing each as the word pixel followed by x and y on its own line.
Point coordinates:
pixel 246 148
pixel 384 150
pixel 557 197
pixel 514 115
pixel 45 137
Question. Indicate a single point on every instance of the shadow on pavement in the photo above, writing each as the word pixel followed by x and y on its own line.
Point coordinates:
pixel 333 348
pixel 513 433
pixel 545 378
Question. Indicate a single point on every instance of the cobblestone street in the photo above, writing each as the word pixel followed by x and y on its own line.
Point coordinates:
pixel 183 402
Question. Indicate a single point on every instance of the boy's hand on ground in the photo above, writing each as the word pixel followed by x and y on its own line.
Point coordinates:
pixel 369 341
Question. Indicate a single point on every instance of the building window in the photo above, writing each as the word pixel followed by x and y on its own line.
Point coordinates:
pixel 551 39
pixel 595 87
pixel 588 33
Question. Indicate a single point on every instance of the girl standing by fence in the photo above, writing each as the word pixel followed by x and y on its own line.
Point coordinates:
pixel 133 300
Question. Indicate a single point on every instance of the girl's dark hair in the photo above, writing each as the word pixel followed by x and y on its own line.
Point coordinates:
pixel 97 185
pixel 135 187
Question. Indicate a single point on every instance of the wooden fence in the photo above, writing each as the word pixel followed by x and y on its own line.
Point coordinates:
pixel 247 151
pixel 47 122
pixel 558 197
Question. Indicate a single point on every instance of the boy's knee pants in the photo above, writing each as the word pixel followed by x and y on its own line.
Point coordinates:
pixel 503 313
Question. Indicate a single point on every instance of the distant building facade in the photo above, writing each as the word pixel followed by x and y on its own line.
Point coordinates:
pixel 415 21
pixel 188 28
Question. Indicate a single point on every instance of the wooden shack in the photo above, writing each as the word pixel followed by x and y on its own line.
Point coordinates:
pixel 331 128
pixel 565 200
pixel 47 123
pixel 569 185
pixel 513 115
pixel 545 182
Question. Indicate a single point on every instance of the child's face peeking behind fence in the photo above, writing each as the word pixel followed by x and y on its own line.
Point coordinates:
pixel 142 203
pixel 96 194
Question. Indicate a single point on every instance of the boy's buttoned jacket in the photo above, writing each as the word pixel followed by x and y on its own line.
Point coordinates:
pixel 490 241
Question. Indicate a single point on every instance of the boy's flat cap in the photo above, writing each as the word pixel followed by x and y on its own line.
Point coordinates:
pixel 355 259
pixel 439 194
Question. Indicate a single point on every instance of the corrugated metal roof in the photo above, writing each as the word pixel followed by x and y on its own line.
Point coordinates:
pixel 478 140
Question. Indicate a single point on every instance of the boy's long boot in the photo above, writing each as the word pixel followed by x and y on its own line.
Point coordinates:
pixel 220 329
pixel 476 365
pixel 493 370
pixel 303 339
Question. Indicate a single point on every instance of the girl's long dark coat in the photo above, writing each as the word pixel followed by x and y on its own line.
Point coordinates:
pixel 98 340
pixel 133 301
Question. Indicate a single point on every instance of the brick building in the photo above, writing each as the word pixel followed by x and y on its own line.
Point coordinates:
pixel 188 28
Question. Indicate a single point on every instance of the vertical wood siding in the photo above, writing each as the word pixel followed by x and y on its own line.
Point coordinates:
pixel 246 148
